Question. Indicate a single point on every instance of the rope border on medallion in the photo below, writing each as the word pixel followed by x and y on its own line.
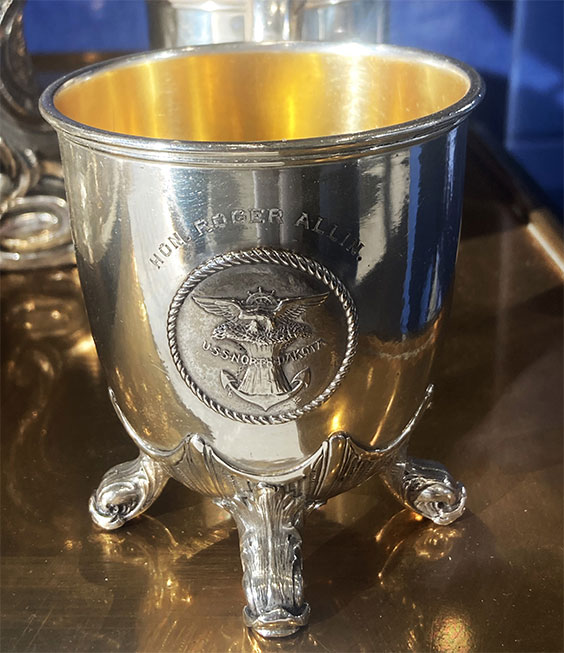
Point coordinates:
pixel 269 256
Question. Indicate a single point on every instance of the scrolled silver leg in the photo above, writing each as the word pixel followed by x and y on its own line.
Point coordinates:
pixel 268 519
pixel 126 491
pixel 427 488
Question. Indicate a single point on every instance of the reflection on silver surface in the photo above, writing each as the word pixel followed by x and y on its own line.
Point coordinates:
pixel 51 329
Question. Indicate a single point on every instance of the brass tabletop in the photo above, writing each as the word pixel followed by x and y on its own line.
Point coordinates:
pixel 378 578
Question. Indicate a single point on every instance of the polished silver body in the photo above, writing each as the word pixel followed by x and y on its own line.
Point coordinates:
pixel 267 317
pixel 174 23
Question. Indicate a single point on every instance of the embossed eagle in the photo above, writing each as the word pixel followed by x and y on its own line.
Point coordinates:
pixel 263 324
pixel 261 318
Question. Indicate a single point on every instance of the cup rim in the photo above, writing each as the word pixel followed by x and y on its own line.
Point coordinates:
pixel 319 147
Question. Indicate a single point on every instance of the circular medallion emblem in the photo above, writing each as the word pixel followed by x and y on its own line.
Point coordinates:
pixel 262 336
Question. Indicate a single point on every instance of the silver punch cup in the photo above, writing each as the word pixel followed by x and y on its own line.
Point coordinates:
pixel 266 238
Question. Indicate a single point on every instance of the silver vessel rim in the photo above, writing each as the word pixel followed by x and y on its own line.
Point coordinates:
pixel 405 133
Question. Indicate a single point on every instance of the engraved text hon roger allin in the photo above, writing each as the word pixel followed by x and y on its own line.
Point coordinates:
pixel 200 229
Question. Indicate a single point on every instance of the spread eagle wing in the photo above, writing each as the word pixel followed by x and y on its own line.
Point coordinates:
pixel 228 308
pixel 295 307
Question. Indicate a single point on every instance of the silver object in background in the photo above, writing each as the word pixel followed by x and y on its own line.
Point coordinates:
pixel 34 221
pixel 346 20
pixel 173 23
pixel 267 273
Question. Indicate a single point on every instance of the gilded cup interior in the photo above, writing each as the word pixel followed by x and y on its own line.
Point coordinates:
pixel 253 96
